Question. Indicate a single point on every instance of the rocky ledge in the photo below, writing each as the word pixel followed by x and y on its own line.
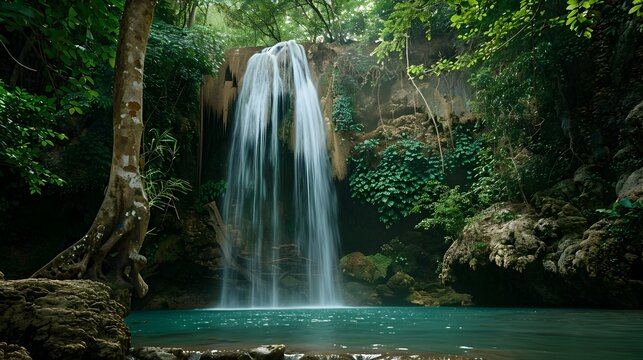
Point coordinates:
pixel 547 255
pixel 52 319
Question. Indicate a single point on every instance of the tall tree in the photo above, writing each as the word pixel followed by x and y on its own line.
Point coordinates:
pixel 110 249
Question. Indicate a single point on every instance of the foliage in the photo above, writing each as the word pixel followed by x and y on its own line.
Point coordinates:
pixel 626 219
pixel 490 182
pixel 393 179
pixel 183 13
pixel 159 153
pixel 58 60
pixel 175 63
pixel 26 131
pixel 85 163
pixel 343 109
pixel 208 192
pixel 399 22
pixel 488 27
pixel 448 208
pixel 259 22
pixel 522 109
pixel 79 36
pixel 579 17
pixel 464 153
pixel 637 8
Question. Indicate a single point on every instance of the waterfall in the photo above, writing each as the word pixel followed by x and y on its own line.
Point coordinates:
pixel 280 204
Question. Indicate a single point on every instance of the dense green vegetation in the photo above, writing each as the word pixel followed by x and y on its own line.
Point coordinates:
pixel 55 102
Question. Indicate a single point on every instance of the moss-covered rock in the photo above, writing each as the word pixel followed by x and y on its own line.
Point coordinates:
pixel 370 269
pixel 401 283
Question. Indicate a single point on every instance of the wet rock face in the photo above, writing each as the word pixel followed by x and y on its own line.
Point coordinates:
pixel 51 319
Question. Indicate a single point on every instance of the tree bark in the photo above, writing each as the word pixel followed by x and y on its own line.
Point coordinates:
pixel 109 252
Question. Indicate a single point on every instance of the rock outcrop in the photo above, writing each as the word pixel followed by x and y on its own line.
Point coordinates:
pixel 52 319
pixel 546 255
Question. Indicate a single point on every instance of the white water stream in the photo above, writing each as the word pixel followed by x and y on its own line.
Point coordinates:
pixel 280 212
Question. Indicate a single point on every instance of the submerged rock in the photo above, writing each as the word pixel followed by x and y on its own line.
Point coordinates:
pixel 358 294
pixel 72 319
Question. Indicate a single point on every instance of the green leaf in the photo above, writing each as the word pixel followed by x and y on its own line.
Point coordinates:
pixel 626 203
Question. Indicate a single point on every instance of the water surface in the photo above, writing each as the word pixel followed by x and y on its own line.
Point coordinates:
pixel 491 333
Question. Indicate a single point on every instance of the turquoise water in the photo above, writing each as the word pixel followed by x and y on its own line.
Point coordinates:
pixel 490 333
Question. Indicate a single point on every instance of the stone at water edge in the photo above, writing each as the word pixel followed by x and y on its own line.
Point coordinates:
pixel 157 353
pixel 268 352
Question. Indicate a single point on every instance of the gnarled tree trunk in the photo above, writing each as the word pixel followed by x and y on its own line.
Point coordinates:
pixel 109 251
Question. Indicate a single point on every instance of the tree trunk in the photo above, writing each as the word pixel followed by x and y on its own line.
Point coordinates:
pixel 109 252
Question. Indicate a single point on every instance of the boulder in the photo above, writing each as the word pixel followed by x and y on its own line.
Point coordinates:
pixel 401 283
pixel 631 185
pixel 631 128
pixel 71 319
pixel 588 180
pixel 369 269
pixel 268 352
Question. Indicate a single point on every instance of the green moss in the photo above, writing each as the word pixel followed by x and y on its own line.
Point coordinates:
pixel 381 262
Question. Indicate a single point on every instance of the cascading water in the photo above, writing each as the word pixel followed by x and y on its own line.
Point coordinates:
pixel 280 209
